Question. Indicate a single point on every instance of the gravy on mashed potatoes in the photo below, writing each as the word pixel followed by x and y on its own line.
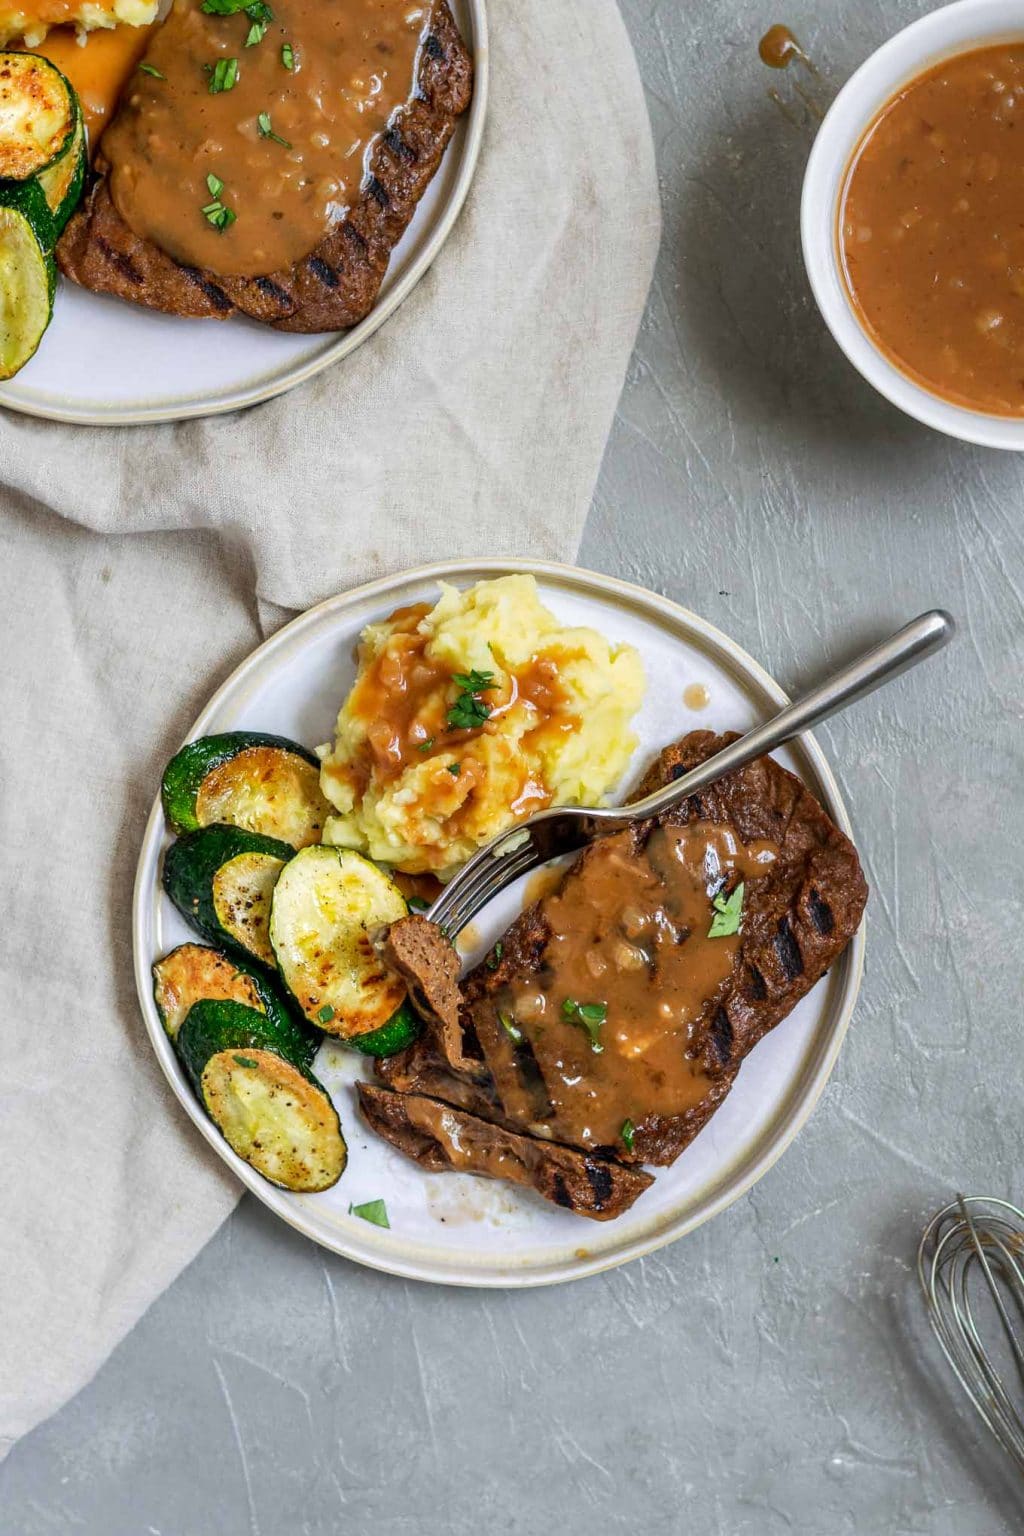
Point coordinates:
pixel 470 716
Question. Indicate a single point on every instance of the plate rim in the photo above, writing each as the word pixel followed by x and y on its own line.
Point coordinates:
pixel 348 341
pixel 787 1124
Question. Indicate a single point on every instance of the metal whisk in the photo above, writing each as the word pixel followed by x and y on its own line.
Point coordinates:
pixel 974 1247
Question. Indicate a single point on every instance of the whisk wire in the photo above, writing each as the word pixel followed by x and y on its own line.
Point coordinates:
pixel 987 1235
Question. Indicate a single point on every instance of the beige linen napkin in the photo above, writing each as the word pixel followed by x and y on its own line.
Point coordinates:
pixel 136 565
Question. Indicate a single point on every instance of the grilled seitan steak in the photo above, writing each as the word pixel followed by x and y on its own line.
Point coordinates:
pixel 336 285
pixel 612 1020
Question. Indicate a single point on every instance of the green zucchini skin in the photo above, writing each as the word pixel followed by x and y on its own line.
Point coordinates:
pixel 63 182
pixel 218 1024
pixel 184 774
pixel 295 1139
pixel 190 866
pixel 403 1027
pixel 297 1039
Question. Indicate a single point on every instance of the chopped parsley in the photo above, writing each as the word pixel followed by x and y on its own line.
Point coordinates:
pixel 220 217
pixel 246 1061
pixel 627 1133
pixel 589 1016
pixel 151 69
pixel 223 76
pixel 287 55
pixel 267 132
pixel 511 1028
pixel 469 710
pixel 728 912
pixel 417 904
pixel 326 1014
pixel 425 746
pixel 494 958
pixel 454 769
pixel 256 33
pixel 373 1210
pixel 215 185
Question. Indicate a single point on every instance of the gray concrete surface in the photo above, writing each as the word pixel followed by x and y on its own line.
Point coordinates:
pixel 769 1374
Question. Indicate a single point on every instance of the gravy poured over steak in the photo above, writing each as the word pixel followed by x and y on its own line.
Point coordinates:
pixel 609 1023
pixel 348 221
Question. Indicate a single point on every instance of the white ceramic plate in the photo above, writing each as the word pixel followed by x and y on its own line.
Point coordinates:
pixel 459 1229
pixel 106 363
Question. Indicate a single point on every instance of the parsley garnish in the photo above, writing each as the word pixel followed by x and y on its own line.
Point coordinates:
pixel 287 55
pixel 246 1061
pixel 454 769
pixel 728 912
pixel 373 1210
pixel 511 1028
pixel 224 76
pixel 215 185
pixel 151 69
pixel 266 132
pixel 589 1016
pixel 425 746
pixel 220 217
pixel 256 33
pixel 469 709
pixel 627 1133
pixel 494 958
pixel 417 904
pixel 326 1014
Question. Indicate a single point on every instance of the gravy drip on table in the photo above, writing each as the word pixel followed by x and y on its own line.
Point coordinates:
pixel 353 62
pixel 931 230
pixel 630 935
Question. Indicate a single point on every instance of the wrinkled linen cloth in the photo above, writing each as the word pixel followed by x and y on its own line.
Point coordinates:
pixel 140 565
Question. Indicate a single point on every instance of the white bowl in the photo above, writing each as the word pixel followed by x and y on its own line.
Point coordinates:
pixel 953 29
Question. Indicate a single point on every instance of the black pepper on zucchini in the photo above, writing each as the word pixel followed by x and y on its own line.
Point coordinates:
pixel 221 880
pixel 39 113
pixel 329 910
pixel 265 784
pixel 268 1108
pixel 194 973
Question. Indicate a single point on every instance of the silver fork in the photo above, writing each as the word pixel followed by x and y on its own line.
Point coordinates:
pixel 566 829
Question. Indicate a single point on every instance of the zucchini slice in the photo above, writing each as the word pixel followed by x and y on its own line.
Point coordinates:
pixel 38 115
pixel 63 181
pixel 193 973
pixel 329 908
pixel 269 1110
pixel 265 784
pixel 28 275
pixel 221 880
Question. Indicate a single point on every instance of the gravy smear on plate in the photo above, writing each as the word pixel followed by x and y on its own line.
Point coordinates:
pixel 931 230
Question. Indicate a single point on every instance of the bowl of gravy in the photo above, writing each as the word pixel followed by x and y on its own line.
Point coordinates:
pixel 912 221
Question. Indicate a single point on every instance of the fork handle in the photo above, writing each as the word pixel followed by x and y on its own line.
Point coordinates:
pixel 921 638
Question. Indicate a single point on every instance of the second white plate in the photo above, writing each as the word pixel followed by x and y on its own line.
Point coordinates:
pixel 456 1228
pixel 106 363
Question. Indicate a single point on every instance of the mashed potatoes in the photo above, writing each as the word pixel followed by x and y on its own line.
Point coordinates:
pixel 32 22
pixel 468 717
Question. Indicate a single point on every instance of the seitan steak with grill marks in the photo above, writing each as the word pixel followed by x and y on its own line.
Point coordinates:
pixel 336 285
pixel 805 895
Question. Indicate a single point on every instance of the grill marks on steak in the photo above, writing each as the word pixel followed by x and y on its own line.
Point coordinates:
pixel 441 1138
pixel 336 285
pixel 798 918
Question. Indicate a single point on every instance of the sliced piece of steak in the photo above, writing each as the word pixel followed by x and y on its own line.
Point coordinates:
pixel 336 285
pixel 798 916
pixel 441 1139
pixel 432 971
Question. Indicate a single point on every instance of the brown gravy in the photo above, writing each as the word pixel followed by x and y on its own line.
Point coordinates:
pixel 931 231
pixel 778 48
pixel 353 62
pixel 404 695
pixel 631 937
